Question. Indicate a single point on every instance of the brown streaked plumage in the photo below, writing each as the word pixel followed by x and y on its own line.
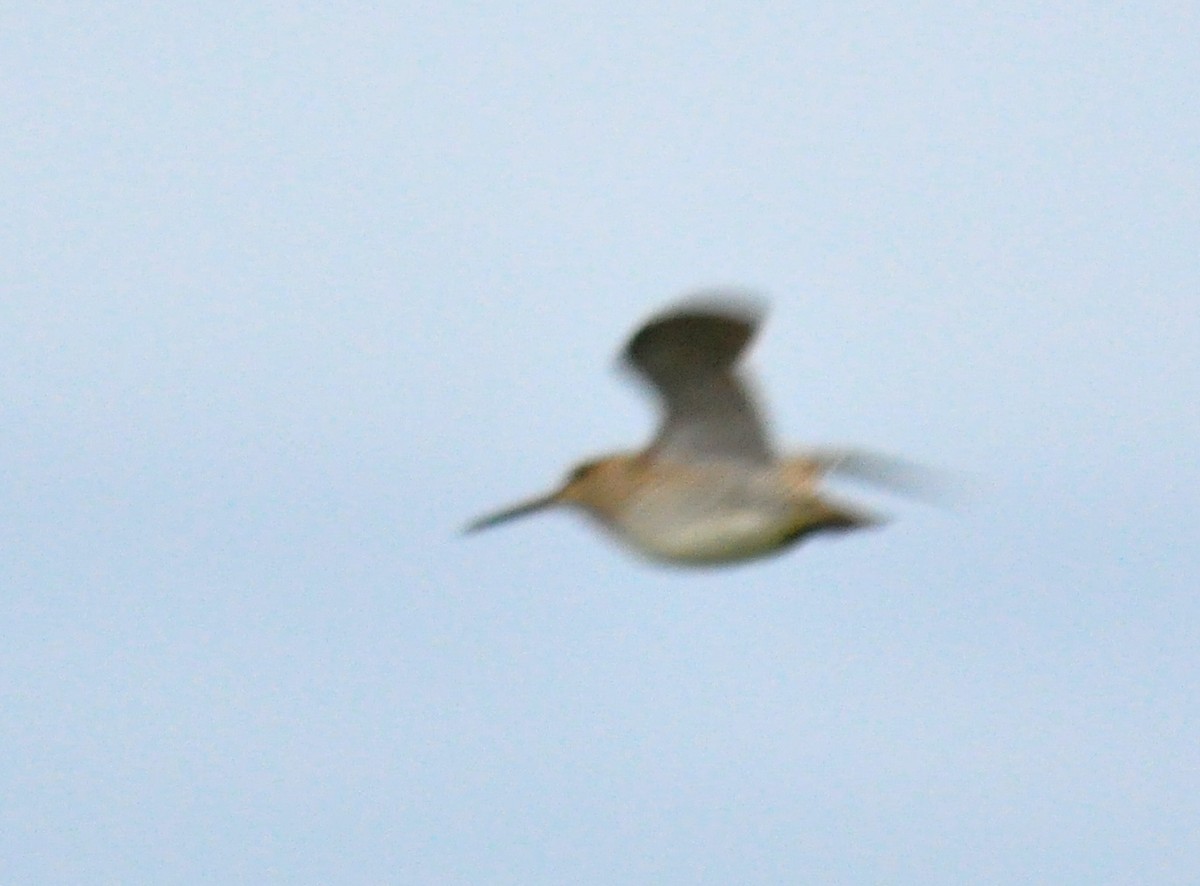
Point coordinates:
pixel 709 488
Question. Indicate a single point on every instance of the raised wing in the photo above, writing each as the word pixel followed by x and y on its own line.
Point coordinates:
pixel 689 356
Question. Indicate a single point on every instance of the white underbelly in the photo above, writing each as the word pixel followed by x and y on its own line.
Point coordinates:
pixel 719 536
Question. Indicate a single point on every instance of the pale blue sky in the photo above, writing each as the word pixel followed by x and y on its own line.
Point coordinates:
pixel 292 293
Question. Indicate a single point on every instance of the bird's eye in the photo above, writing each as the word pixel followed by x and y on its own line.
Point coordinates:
pixel 582 471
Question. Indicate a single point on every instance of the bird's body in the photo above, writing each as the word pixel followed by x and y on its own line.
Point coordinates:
pixel 704 512
pixel 708 489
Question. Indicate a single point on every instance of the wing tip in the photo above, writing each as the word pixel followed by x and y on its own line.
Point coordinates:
pixel 735 303
pixel 714 324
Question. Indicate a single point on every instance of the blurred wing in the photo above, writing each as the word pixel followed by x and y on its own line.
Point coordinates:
pixel 889 473
pixel 688 357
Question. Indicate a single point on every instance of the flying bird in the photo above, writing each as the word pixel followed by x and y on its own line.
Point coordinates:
pixel 710 488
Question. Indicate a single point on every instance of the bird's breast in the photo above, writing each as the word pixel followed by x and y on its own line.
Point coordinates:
pixel 703 528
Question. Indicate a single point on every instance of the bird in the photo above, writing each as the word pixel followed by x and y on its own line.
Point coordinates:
pixel 710 488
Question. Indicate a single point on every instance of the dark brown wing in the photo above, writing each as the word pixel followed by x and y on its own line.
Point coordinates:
pixel 689 357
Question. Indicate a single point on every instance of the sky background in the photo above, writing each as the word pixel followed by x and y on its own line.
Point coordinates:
pixel 291 292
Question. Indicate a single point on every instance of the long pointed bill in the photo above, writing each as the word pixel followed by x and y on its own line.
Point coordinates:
pixel 532 506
